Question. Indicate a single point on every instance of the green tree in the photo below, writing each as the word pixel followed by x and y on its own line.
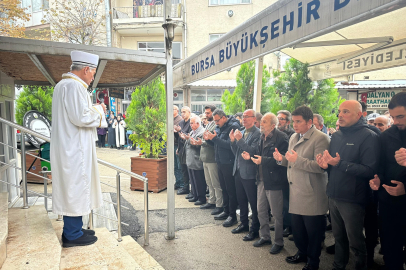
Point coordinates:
pixel 294 84
pixel 297 89
pixel 326 101
pixel 146 116
pixel 37 98
pixel 242 97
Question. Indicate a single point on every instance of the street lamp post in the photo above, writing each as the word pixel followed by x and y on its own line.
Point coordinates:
pixel 169 27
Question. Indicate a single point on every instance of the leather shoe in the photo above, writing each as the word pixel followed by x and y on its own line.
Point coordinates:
pixel 176 187
pixel 296 259
pixel 272 227
pixel 251 236
pixel 88 232
pixel 287 231
pixel 217 210
pixel 262 242
pixel 230 221
pixel 241 228
pixel 84 240
pixel 182 191
pixel 309 267
pixel 208 206
pixel 189 196
pixel 223 215
pixel 199 202
pixel 331 249
pixel 275 249
pixel 193 199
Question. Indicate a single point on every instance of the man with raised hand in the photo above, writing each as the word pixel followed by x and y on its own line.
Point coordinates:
pixel 351 160
pixel 76 183
pixel 183 129
pixel 271 181
pixel 390 185
pixel 244 172
pixel 207 155
pixel 225 163
pixel 307 185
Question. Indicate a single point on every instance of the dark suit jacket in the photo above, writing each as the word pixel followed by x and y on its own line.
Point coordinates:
pixel 247 168
pixel 274 176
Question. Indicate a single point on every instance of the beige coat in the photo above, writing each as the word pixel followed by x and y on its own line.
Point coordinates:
pixel 307 181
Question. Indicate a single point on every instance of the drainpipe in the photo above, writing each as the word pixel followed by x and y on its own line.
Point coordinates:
pixel 184 29
pixel 108 22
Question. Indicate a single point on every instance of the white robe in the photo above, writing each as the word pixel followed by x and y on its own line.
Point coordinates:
pixel 120 138
pixel 75 176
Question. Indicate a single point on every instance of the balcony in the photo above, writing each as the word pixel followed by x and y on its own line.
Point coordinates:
pixel 144 14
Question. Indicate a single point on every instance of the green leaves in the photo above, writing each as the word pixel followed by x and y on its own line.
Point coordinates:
pixel 297 89
pixel 146 115
pixel 242 97
pixel 37 98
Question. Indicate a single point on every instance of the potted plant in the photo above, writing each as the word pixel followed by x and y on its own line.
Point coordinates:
pixel 146 116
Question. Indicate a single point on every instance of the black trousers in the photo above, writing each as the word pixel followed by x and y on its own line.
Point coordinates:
pixel 198 183
pixel 185 176
pixel 102 140
pixel 393 234
pixel 246 191
pixel 308 234
pixel 227 184
pixel 371 225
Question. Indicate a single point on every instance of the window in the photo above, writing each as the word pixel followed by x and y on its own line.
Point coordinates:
pixel 34 5
pixel 214 95
pixel 213 37
pixel 199 95
pixel 228 2
pixel 160 47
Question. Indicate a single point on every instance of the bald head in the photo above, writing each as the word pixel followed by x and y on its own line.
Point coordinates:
pixel 268 123
pixel 349 113
pixel 353 104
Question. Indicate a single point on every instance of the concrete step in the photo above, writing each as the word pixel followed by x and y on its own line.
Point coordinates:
pixel 141 256
pixel 31 241
pixel 3 226
pixel 106 253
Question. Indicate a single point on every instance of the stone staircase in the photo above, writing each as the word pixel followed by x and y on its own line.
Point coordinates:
pixel 31 240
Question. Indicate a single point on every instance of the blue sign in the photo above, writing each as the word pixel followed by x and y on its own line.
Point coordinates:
pixel 144 174
pixel 113 105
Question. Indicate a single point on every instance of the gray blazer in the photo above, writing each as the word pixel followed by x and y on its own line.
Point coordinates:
pixel 193 161
pixel 307 181
pixel 248 169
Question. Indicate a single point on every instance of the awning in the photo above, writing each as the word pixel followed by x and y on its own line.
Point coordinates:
pixel 289 23
pixel 35 62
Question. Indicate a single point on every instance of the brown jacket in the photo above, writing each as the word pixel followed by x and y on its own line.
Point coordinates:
pixel 307 181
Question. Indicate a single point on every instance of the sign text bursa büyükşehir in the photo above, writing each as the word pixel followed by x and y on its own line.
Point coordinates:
pixel 267 33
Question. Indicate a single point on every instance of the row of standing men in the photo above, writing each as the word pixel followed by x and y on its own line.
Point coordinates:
pixel 299 174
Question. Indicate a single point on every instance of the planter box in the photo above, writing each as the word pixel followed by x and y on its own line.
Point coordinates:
pixel 156 173
pixel 36 168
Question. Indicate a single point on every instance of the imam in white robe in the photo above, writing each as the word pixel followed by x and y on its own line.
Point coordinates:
pixel 75 176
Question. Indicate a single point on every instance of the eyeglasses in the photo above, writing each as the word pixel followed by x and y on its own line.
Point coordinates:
pixel 246 116
pixel 281 119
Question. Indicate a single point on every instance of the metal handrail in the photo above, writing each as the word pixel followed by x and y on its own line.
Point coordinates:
pixel 119 170
pixel 40 158
pixel 47 139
